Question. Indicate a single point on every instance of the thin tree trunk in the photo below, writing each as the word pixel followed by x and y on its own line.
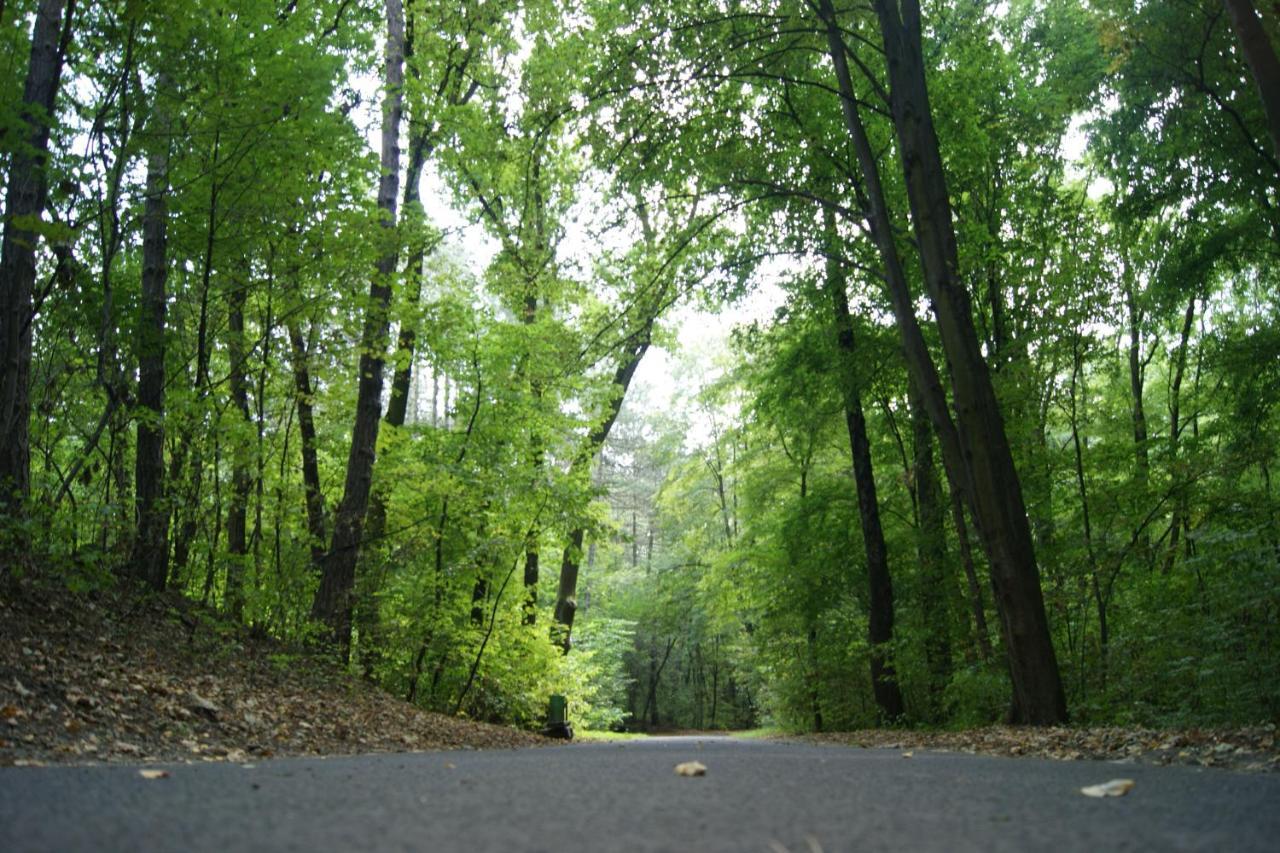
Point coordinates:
pixel 975 447
pixel 237 507
pixel 884 679
pixel 333 600
pixel 931 547
pixel 566 594
pixel 982 633
pixel 151 547
pixel 1181 505
pixel 25 199
pixel 1076 391
pixel 304 398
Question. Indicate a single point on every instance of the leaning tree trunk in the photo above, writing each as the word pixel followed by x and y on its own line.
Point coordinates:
pixel 333 600
pixel 997 492
pixel 367 614
pixel 27 193
pixel 567 593
pixel 884 678
pixel 151 547
pixel 975 446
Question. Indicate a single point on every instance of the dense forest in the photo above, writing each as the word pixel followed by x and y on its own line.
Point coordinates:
pixel 326 314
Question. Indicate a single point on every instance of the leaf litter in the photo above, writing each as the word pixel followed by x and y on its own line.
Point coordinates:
pixel 1246 748
pixel 108 677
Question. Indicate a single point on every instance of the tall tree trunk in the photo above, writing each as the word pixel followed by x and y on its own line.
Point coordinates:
pixel 982 633
pixel 1260 54
pixel 1076 392
pixel 1181 506
pixel 1137 382
pixel 975 446
pixel 241 480
pixel 931 547
pixel 151 546
pixel 532 557
pixel 566 594
pixel 333 600
pixel 25 198
pixel 307 431
pixel 884 679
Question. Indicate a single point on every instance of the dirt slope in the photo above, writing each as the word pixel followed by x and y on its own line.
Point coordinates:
pixel 109 677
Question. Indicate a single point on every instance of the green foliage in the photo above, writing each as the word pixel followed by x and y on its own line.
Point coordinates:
pixel 612 160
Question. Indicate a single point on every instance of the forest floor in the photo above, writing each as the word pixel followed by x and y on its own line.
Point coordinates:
pixel 1251 748
pixel 109 677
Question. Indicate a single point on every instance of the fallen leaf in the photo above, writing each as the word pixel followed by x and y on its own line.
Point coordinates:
pixel 691 768
pixel 1114 788
pixel 149 773
pixel 908 754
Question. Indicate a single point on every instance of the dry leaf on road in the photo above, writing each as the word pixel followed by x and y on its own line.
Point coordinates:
pixel 153 774
pixel 691 768
pixel 1114 788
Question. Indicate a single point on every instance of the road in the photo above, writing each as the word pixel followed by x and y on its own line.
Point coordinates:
pixel 596 798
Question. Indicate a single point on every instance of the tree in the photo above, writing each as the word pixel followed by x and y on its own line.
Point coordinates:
pixel 25 197
pixel 333 602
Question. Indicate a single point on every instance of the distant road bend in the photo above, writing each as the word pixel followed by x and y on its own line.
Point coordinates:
pixel 756 796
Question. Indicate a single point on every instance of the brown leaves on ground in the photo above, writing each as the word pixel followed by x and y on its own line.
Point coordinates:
pixel 112 678
pixel 1249 748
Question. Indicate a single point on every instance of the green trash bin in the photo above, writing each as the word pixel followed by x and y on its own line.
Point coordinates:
pixel 558 718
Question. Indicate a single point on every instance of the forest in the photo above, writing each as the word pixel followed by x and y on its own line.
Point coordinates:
pixel 387 328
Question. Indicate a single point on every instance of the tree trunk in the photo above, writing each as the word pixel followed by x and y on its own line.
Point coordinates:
pixel 975 446
pixel 333 600
pixel 307 430
pixel 884 679
pixel 1260 54
pixel 931 547
pixel 237 507
pixel 25 198
pixel 1076 391
pixel 151 547
pixel 1181 506
pixel 566 594
pixel 982 633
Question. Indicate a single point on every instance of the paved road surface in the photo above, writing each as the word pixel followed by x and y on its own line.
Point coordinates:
pixel 595 798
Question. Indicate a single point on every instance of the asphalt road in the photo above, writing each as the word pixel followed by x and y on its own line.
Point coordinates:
pixel 756 796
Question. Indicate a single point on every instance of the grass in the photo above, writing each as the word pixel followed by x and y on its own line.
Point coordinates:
pixel 601 736
pixel 759 734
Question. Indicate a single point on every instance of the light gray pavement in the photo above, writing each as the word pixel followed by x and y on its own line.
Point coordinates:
pixel 756 796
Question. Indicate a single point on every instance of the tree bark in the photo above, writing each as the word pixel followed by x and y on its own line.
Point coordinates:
pixel 151 547
pixel 237 507
pixel 884 679
pixel 975 446
pixel 931 547
pixel 25 198
pixel 567 592
pixel 1260 55
pixel 307 431
pixel 333 600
